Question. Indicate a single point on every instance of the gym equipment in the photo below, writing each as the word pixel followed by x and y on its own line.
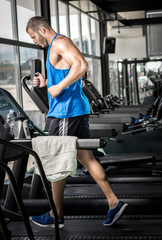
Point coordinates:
pixel 83 221
pixel 137 135
pixel 20 204
pixel 36 92
pixel 107 114
pixel 118 113
pixel 10 154
pixel 142 201
pixel 145 136
pixel 109 104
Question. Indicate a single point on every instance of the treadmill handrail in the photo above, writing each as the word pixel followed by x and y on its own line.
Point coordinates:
pixel 43 178
pixel 18 199
pixel 86 143
pixel 42 105
pixel 23 81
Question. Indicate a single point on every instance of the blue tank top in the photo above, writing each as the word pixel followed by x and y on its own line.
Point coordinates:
pixel 71 101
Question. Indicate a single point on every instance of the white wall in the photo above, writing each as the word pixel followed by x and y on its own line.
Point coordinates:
pixel 130 43
pixel 127 48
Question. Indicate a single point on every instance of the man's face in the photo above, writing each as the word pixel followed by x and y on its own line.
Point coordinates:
pixel 38 39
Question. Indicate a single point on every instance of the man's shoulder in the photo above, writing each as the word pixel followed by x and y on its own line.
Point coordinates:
pixel 61 42
pixel 61 38
pixel 143 77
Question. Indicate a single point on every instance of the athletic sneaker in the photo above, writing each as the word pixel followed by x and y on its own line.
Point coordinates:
pixel 46 220
pixel 114 214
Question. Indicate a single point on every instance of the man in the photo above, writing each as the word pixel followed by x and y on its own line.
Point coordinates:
pixel 145 85
pixel 69 109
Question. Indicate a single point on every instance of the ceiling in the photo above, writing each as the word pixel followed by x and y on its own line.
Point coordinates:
pixel 128 5
pixel 132 12
pixel 129 21
pixel 131 15
pixel 127 12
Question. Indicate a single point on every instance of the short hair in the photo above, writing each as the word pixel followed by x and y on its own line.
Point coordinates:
pixel 35 22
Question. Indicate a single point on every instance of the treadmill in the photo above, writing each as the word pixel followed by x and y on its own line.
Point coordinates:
pixel 12 150
pixel 109 103
pixel 78 226
pixel 90 226
pixel 136 137
pixel 108 110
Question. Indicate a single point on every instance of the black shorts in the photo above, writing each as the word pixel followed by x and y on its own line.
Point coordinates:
pixel 73 126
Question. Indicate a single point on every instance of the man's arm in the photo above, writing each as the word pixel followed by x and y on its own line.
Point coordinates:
pixel 78 66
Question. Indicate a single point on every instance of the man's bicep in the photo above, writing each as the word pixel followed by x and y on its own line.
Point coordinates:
pixel 73 57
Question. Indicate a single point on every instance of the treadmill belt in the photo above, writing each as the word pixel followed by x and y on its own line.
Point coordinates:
pixel 124 190
pixel 142 198
pixel 77 229
pixel 117 156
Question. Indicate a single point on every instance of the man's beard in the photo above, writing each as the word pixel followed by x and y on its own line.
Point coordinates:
pixel 42 41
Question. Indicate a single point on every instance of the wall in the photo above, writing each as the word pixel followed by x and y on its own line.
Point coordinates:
pixel 127 48
pixel 130 42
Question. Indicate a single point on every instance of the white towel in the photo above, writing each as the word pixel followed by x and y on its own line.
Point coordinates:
pixel 57 154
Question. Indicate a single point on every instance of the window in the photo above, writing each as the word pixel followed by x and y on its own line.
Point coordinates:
pixel 7 68
pixel 8 72
pixel 94 72
pixel 85 34
pixel 5 19
pixel 75 3
pixel 75 26
pixel 26 10
pixel 84 5
pixel 154 35
pixel 15 60
pixel 63 18
pixel 95 37
pixel 54 15
pixel 93 10
pixel 113 77
pixel 26 55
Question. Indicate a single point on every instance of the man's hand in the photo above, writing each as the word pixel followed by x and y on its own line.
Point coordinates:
pixel 39 80
pixel 54 90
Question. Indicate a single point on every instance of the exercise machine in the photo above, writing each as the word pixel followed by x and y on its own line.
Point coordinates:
pixel 78 226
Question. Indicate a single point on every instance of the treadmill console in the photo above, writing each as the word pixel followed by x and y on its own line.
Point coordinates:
pixel 7 102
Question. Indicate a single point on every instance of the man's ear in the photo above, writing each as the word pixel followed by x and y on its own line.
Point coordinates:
pixel 42 30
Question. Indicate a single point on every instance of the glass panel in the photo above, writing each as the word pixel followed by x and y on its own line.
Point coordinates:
pixel 149 81
pixel 93 10
pixel 132 97
pixel 53 8
pixel 7 68
pixel 26 55
pixel 26 10
pixel 63 18
pixel 74 26
pixel 85 34
pixel 113 76
pixel 75 3
pixel 95 37
pixel 154 35
pixel 94 72
pixel 84 5
pixel 8 72
pixel 5 19
pixel 120 81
